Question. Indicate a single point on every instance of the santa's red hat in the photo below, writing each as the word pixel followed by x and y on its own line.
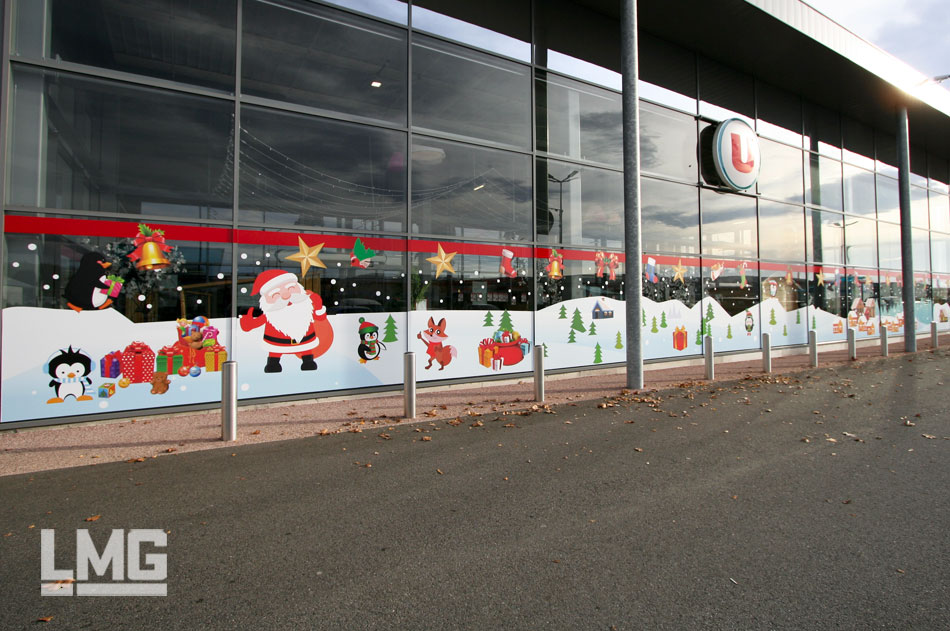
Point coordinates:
pixel 270 279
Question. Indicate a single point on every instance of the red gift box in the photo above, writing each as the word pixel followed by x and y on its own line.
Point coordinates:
pixel 679 338
pixel 138 363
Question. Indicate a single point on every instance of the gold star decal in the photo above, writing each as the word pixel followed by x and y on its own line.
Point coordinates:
pixel 442 261
pixel 821 279
pixel 307 256
pixel 679 271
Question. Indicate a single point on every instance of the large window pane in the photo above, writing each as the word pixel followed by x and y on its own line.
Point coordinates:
pixel 940 251
pixel 780 114
pixel 919 214
pixel 579 205
pixel 667 143
pixel 670 217
pixel 298 170
pixel 939 212
pixel 178 40
pixel 470 94
pixel 579 121
pixel 501 26
pixel 470 192
pixel 921 239
pixel 822 131
pixel 729 225
pixel 888 199
pixel 95 145
pixel 889 245
pixel 823 181
pixel 310 55
pixel 859 191
pixel 781 232
pixel 781 172
pixel 824 237
pixel 725 93
pixel 667 73
pixel 860 237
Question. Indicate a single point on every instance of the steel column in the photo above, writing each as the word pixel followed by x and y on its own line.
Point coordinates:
pixel 907 242
pixel 631 191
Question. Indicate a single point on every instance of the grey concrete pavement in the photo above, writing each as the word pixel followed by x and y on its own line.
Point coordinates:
pixel 814 500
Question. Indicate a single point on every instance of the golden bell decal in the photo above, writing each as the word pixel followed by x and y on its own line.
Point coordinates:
pixel 150 248
pixel 152 257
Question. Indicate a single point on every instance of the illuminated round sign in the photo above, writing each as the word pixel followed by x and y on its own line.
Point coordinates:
pixel 736 154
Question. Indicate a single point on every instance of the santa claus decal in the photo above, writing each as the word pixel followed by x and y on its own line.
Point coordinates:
pixel 294 320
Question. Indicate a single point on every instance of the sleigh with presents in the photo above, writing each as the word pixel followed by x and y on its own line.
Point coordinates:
pixel 506 348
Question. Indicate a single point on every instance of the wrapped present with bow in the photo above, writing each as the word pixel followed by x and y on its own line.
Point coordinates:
pixel 169 359
pixel 138 363
pixel 215 356
pixel 679 338
pixel 150 249
pixel 109 366
pixel 114 286
pixel 209 336
pixel 486 352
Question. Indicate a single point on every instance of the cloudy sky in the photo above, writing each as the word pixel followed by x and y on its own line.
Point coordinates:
pixel 915 31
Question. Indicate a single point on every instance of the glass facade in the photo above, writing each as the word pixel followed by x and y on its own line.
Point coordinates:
pixel 181 175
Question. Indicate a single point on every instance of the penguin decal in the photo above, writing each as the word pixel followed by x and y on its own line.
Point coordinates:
pixel 70 370
pixel 82 290
pixel 749 324
pixel 370 346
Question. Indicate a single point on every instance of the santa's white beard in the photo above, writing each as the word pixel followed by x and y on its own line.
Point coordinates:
pixel 292 320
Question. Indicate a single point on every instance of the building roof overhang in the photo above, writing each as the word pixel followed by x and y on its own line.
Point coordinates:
pixel 793 46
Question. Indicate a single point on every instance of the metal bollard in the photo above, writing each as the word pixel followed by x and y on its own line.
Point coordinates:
pixel 852 344
pixel 539 373
pixel 884 348
pixel 229 401
pixel 933 335
pixel 766 352
pixel 813 347
pixel 710 362
pixel 409 383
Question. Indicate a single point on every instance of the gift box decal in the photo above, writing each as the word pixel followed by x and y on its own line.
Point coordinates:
pixel 169 359
pixel 109 366
pixel 679 338
pixel 138 363
pixel 215 356
pixel 106 390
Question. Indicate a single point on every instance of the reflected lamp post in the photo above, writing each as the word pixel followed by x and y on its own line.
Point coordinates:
pixel 560 211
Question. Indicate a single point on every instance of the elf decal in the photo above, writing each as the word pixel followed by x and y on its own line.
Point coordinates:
pixel 370 347
pixel 294 320
pixel 70 370
pixel 434 336
pixel 361 255
pixel 90 288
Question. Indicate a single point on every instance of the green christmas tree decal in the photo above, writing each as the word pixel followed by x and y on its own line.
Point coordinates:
pixel 593 329
pixel 570 338
pixel 699 337
pixel 577 323
pixel 653 329
pixel 729 331
pixel 663 319
pixel 643 316
pixel 563 314
pixel 597 355
pixel 785 330
pixel 709 313
pixel 813 324
pixel 619 343
pixel 389 330
pixel 545 347
pixel 488 319
pixel 772 318
pixel 505 322
pixel 798 317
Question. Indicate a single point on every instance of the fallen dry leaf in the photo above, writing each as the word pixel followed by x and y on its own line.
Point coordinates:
pixel 44 619
pixel 426 439
pixel 638 449
pixel 255 432
pixel 439 471
pixel 93 518
pixel 928 436
pixel 385 436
